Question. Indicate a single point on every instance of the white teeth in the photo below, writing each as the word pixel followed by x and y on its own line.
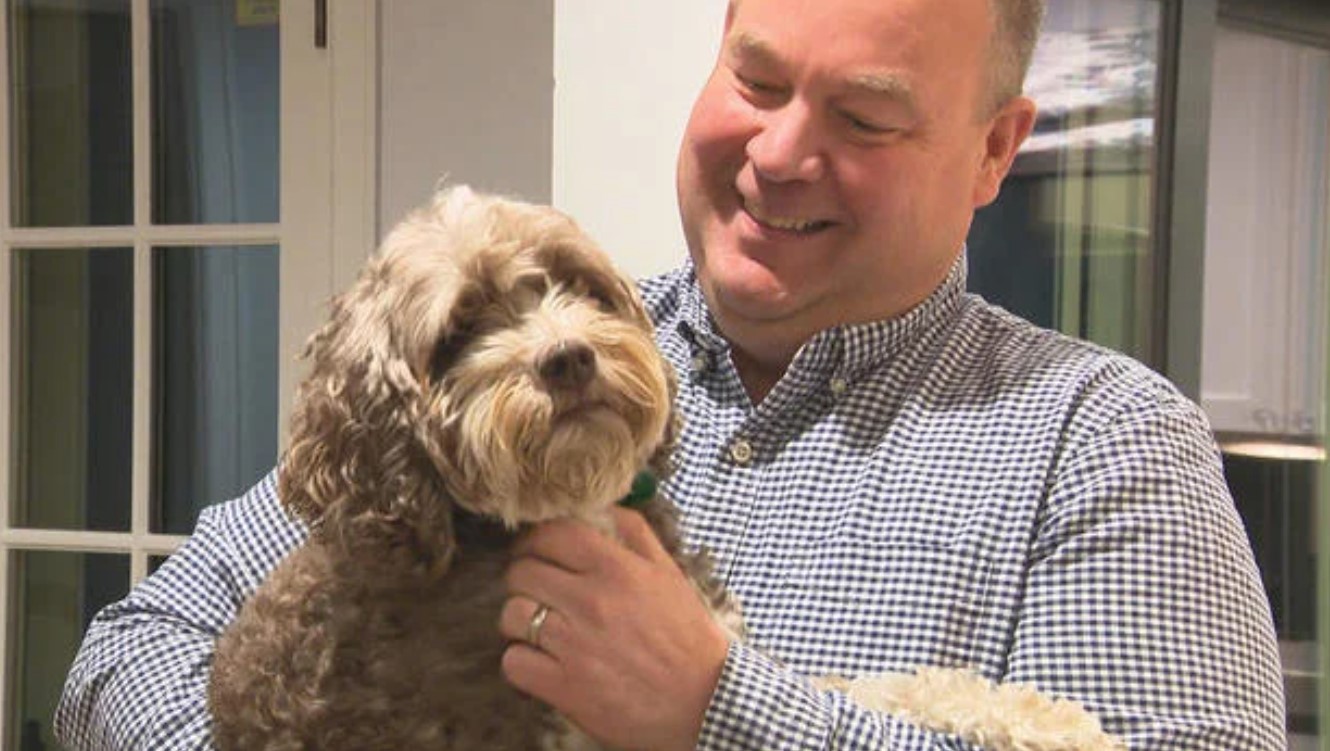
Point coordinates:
pixel 780 222
pixel 790 224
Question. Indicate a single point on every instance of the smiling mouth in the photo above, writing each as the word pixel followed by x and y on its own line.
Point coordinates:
pixel 795 225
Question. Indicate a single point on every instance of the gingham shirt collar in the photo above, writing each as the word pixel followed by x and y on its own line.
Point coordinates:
pixel 842 352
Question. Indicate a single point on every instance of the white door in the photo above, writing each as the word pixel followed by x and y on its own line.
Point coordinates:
pixel 166 204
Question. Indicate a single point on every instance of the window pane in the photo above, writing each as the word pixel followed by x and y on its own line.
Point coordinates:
pixel 1068 243
pixel 214 112
pixel 215 362
pixel 1263 378
pixel 57 595
pixel 1277 498
pixel 73 376
pixel 72 118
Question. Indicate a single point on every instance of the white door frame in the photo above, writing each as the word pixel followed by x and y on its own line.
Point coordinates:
pixel 325 231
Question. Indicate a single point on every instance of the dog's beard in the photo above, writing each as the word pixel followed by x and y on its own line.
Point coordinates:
pixel 514 451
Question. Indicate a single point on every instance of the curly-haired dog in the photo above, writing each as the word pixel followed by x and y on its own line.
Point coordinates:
pixel 489 369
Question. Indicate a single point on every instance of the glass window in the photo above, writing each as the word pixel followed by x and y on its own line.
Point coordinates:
pixel 71 113
pixel 1266 320
pixel 57 594
pixel 215 363
pixel 72 330
pixel 1067 245
pixel 140 376
pixel 214 113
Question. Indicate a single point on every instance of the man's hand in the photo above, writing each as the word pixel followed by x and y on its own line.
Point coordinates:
pixel 627 651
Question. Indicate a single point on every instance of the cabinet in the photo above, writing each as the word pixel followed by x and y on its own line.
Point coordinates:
pixel 1263 355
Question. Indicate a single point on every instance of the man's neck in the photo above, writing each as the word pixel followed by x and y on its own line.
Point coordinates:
pixel 757 376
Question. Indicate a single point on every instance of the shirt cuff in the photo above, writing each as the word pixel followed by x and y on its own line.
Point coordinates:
pixel 758 704
pixel 761 704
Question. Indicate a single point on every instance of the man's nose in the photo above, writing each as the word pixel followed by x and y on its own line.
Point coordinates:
pixel 788 147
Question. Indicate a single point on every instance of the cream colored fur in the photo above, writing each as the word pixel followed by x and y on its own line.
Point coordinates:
pixel 994 717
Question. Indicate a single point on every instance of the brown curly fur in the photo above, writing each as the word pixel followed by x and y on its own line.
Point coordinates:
pixel 423 439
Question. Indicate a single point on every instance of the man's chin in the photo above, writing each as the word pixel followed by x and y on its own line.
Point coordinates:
pixel 760 312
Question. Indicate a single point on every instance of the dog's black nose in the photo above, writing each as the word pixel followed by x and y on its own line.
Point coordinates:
pixel 568 365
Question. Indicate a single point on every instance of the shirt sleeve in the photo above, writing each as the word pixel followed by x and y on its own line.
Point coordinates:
pixel 760 704
pixel 140 678
pixel 1143 595
pixel 1142 602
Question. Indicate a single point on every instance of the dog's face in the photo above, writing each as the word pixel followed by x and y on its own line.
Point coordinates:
pixel 508 351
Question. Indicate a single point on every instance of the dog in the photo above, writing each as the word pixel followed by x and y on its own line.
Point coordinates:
pixel 490 369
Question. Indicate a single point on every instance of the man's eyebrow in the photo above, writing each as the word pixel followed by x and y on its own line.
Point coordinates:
pixel 886 85
pixel 745 46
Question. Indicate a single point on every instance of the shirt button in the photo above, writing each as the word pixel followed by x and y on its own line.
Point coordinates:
pixel 741 451
pixel 839 386
pixel 700 363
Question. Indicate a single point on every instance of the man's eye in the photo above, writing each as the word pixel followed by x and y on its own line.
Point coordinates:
pixel 756 86
pixel 865 127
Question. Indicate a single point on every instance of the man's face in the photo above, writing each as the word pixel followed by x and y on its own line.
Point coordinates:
pixel 833 160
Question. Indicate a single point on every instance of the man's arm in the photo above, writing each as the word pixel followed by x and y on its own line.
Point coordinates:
pixel 1143 593
pixel 140 678
pixel 1142 602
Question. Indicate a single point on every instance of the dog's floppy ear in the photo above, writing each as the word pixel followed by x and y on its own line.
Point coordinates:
pixel 661 462
pixel 353 461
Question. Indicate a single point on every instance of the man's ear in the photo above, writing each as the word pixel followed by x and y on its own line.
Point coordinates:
pixel 1006 132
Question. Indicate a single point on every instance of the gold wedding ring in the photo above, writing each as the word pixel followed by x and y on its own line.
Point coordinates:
pixel 537 620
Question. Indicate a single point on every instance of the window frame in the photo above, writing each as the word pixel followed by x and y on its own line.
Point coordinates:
pixel 324 232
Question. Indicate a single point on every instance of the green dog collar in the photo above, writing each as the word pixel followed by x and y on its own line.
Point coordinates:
pixel 643 490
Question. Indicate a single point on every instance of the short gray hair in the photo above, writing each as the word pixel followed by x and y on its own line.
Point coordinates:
pixel 1015 32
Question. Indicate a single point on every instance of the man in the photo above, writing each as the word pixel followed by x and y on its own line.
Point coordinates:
pixel 891 473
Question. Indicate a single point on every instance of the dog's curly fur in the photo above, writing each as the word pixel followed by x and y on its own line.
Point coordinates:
pixel 489 369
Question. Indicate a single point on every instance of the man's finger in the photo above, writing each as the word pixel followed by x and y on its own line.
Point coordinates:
pixel 521 620
pixel 544 582
pixel 566 543
pixel 534 672
pixel 637 535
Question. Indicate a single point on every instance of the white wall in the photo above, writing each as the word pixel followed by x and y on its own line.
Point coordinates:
pixel 625 78
pixel 464 91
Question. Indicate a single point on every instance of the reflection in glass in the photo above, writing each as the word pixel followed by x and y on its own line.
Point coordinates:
pixel 1267 243
pixel 215 376
pixel 1068 243
pixel 1263 377
pixel 214 113
pixel 1277 499
pixel 56 594
pixel 72 370
pixel 71 114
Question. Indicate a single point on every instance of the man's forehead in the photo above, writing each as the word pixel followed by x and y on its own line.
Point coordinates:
pixel 947 12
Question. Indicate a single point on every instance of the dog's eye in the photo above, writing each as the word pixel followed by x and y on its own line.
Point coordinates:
pixel 602 298
pixel 447 352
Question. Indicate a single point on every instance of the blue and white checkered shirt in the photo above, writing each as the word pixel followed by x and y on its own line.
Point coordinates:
pixel 955 487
